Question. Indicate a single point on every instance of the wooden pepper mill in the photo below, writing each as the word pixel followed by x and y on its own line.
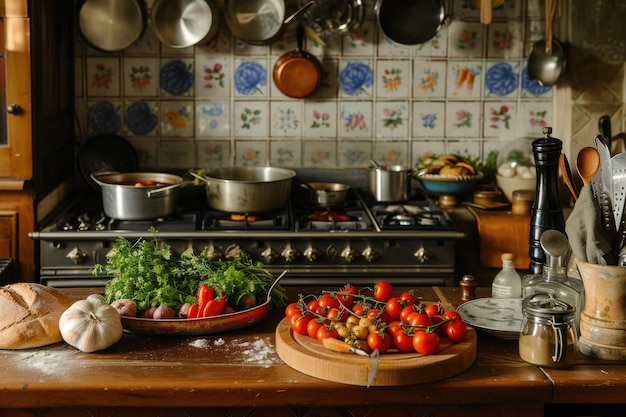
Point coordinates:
pixel 468 288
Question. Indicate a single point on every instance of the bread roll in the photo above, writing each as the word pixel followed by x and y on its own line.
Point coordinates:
pixel 29 315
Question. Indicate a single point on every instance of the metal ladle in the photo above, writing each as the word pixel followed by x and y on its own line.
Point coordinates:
pixel 546 62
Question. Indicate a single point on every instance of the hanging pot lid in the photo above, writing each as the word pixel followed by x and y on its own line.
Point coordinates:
pixel 105 153
pixel 410 22
pixel 111 25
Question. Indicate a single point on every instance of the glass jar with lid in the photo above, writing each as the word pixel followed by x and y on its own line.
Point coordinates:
pixel 548 336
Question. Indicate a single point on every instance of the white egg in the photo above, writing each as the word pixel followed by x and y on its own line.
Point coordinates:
pixel 528 174
pixel 506 170
pixel 520 170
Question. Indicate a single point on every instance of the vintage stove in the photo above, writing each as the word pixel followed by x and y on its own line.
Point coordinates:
pixel 410 243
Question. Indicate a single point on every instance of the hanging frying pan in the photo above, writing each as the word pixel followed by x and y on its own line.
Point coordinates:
pixel 410 22
pixel 111 25
pixel 297 73
pixel 105 153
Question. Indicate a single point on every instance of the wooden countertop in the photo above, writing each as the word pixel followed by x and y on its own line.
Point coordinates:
pixel 242 369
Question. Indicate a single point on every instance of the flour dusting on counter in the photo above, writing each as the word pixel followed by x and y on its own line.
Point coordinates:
pixel 258 351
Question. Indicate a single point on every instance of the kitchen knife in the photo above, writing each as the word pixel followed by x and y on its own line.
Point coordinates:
pixel 340 346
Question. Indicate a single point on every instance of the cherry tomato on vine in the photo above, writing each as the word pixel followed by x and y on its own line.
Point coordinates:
pixel 433 309
pixel 425 343
pixel 379 340
pixel 312 328
pixel 346 295
pixel 441 330
pixel 373 313
pixel 393 326
pixel 418 319
pixel 326 331
pixel 299 323
pixel 383 291
pixel 314 306
pixel 358 310
pixel 406 311
pixel 292 309
pixel 452 315
pixel 337 314
pixel 403 341
pixel 394 307
pixel 456 330
pixel 409 298
pixel 327 301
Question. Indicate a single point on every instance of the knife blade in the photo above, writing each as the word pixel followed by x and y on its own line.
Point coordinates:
pixel 341 346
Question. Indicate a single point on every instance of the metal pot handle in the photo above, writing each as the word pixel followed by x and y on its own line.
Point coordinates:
pixel 156 191
pixel 94 176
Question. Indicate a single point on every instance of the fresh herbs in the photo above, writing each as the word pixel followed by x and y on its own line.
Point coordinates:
pixel 149 273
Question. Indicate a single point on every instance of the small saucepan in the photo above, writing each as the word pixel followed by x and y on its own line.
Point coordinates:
pixel 326 194
pixel 410 22
pixel 297 73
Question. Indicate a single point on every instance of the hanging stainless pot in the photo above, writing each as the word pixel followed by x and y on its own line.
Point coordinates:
pixel 389 183
pixel 247 189
pixel 138 195
pixel 339 17
pixel 410 22
pixel 184 23
pixel 111 25
pixel 258 22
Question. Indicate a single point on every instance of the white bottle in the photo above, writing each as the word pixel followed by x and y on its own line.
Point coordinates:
pixel 507 283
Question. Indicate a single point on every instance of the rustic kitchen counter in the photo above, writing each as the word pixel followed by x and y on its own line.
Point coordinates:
pixel 239 374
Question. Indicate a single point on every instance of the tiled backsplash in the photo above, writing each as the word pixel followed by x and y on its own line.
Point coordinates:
pixel 464 91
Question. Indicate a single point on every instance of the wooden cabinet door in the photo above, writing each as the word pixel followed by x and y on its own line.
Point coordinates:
pixel 8 234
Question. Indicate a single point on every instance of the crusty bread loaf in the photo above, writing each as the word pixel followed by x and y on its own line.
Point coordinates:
pixel 29 315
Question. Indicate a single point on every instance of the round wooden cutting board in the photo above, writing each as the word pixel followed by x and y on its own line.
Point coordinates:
pixel 308 356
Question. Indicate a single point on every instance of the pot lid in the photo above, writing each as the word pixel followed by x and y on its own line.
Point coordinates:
pixel 106 153
pixel 111 25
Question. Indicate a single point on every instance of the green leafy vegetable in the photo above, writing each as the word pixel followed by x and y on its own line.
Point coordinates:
pixel 149 273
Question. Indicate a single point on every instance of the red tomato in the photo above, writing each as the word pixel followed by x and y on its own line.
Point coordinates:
pixel 433 309
pixel 346 295
pixel 292 309
pixel 299 323
pixel 394 307
pixel 312 328
pixel 406 311
pixel 326 331
pixel 409 298
pixel 381 341
pixel 441 330
pixel 456 330
pixel 418 319
pixel 425 343
pixel 383 291
pixel 314 306
pixel 393 326
pixel 358 310
pixel 327 302
pixel 452 315
pixel 337 314
pixel 403 341
pixel 373 313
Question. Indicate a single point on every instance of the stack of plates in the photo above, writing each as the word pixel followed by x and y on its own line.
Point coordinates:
pixel 500 317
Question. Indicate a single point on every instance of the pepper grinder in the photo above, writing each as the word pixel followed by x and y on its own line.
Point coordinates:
pixel 468 288
pixel 546 212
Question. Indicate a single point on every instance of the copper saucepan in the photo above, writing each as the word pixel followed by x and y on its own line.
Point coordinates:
pixel 298 73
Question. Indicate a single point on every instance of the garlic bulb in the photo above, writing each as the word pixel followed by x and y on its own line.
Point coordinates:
pixel 91 324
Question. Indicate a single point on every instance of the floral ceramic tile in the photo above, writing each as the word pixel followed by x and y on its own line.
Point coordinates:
pixel 437 47
pixel 429 79
pixel 251 153
pixel 104 117
pixel 505 40
pixel 356 120
pixel 509 10
pixel 500 119
pixel 356 79
pixel 360 42
pixel 220 44
pixel 462 119
pixel 212 76
pixel 392 119
pixel 286 153
pixel 176 77
pixel 464 79
pixel 502 79
pixel 532 88
pixel 140 118
pixel 319 154
pixel 387 48
pixel 141 77
pixel 354 154
pixel 176 154
pixel 428 119
pixel 251 119
pixel 213 153
pixel 213 119
pixel 534 116
pixel 286 119
pixel 250 78
pixel 103 77
pixel 146 150
pixel 320 119
pixel 391 153
pixel 177 118
pixel 465 39
pixel 394 78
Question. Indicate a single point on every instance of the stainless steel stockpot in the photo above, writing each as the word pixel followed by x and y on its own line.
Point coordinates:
pixel 389 183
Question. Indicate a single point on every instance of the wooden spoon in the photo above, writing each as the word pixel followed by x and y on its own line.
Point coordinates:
pixel 587 162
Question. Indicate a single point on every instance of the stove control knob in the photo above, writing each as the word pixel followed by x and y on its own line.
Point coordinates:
pixel 312 254
pixel 233 251
pixel 290 254
pixel 422 255
pixel 369 254
pixel 213 254
pixel 269 255
pixel 349 254
pixel 76 255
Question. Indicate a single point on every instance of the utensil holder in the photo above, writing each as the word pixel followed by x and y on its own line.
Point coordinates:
pixel 603 319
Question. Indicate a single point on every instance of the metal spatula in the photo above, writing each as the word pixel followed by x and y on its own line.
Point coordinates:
pixel 618 166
